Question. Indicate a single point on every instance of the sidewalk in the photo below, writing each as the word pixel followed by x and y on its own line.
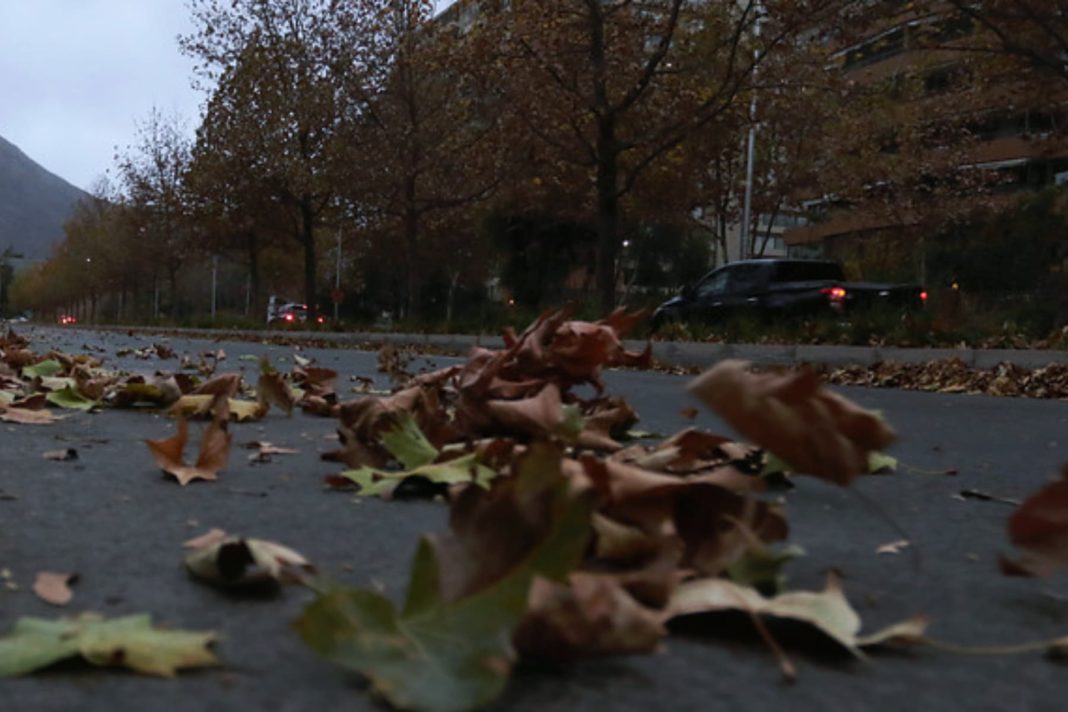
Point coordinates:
pixel 671 353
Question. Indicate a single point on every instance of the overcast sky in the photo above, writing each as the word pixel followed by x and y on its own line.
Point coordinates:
pixel 76 77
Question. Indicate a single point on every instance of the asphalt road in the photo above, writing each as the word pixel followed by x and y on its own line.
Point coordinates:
pixel 113 518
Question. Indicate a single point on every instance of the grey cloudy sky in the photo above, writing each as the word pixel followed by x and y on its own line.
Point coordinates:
pixel 76 76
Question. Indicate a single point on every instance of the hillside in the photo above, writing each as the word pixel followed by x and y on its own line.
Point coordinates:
pixel 34 203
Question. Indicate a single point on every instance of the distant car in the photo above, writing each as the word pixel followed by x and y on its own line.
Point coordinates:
pixel 291 313
pixel 773 287
pixel 66 320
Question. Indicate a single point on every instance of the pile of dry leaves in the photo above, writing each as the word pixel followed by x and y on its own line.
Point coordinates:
pixel 567 537
pixel 954 376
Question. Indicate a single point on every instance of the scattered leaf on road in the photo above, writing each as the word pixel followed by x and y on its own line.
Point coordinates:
pixel 54 588
pixel 130 641
pixel 235 562
pixel 449 647
pixel 213 455
pixel 894 547
pixel 61 455
pixel 1039 528
pixel 814 430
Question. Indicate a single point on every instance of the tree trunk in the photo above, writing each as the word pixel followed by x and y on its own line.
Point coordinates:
pixel 607 218
pixel 252 244
pixel 308 240
pixel 411 242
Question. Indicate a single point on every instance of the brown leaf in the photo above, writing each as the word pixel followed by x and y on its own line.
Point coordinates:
pixel 272 388
pixel 23 416
pixel 817 432
pixel 538 416
pixel 236 562
pixel 827 611
pixel 1039 527
pixel 710 525
pixel 61 455
pixel 208 538
pixel 213 455
pixel 227 384
pixel 591 615
pixel 53 588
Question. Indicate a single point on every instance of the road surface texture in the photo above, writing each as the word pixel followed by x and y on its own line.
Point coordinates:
pixel 113 518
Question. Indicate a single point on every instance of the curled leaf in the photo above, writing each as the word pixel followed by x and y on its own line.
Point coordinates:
pixel 235 562
pixel 213 455
pixel 817 432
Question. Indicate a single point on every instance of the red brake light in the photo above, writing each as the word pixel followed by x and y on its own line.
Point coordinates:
pixel 289 317
pixel 834 293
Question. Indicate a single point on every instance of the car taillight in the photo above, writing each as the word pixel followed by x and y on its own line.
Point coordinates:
pixel 289 317
pixel 923 296
pixel 321 320
pixel 834 293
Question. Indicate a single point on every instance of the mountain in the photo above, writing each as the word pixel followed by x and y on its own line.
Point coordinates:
pixel 34 203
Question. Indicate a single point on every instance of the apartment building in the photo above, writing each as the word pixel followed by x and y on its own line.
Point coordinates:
pixel 1018 140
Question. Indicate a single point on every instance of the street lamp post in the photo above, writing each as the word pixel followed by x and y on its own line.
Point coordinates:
pixel 750 159
pixel 337 277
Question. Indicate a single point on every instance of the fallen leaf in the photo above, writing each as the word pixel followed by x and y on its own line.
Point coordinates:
pixel 264 450
pixel 71 399
pixel 590 614
pixel 28 417
pixel 235 562
pixel 894 547
pixel 449 647
pixel 212 536
pixel 131 642
pixel 43 369
pixel 1039 528
pixel 52 587
pixel 817 432
pixel 272 388
pixel 61 455
pixel 213 455
pixel 827 611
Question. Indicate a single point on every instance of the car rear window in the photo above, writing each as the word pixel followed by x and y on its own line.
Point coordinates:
pixel 808 271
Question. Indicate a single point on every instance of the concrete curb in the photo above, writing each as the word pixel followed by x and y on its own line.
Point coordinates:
pixel 672 353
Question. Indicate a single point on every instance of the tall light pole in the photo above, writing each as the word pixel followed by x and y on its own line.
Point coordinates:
pixel 337 277
pixel 750 159
pixel 214 283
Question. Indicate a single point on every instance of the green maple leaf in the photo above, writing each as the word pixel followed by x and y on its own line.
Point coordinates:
pixel 442 652
pixel 406 442
pixel 71 399
pixel 381 483
pixel 130 641
pixel 44 369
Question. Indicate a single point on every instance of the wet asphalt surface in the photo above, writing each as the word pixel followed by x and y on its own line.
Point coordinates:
pixel 114 519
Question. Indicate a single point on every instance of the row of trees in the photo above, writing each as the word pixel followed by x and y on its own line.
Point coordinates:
pixel 407 139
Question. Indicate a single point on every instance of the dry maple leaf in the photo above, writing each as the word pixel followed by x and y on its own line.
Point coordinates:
pixel 894 547
pixel 827 611
pixel 817 432
pixel 213 455
pixel 24 416
pixel 590 614
pixel 54 588
pixel 1039 527
pixel 272 388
